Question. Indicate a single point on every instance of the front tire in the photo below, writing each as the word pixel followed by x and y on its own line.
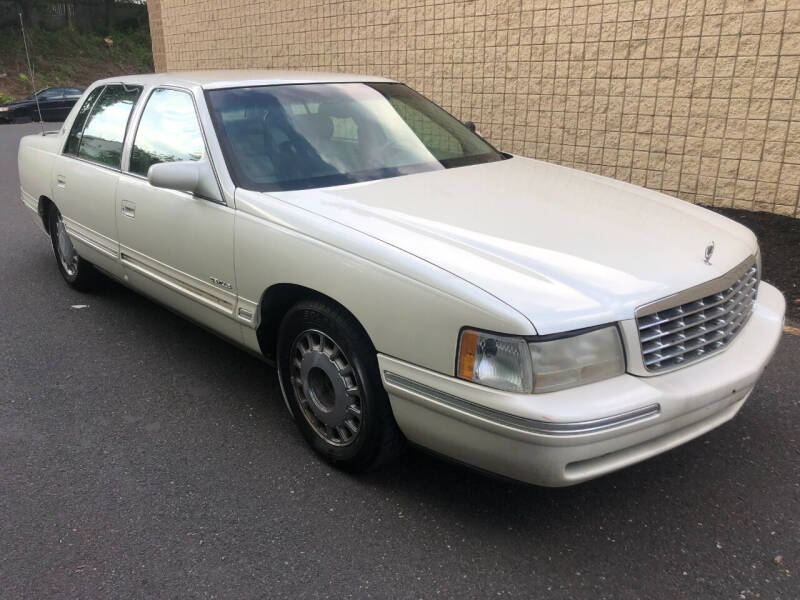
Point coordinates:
pixel 329 375
pixel 78 273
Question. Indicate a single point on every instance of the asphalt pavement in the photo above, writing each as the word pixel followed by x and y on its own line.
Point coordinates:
pixel 141 456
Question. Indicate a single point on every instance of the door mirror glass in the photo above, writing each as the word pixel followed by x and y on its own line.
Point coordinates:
pixel 195 177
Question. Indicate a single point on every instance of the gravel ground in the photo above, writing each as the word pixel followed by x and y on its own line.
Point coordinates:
pixel 142 457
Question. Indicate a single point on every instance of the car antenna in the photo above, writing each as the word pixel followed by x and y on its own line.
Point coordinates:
pixel 30 70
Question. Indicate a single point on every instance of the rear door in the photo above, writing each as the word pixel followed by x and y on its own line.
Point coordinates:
pixel 175 246
pixel 86 173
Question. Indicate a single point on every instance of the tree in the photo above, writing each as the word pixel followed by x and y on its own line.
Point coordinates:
pixel 29 9
pixel 109 14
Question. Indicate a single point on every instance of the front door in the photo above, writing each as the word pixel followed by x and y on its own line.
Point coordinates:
pixel 175 246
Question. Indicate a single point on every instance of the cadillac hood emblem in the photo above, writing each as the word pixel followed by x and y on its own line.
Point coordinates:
pixel 709 253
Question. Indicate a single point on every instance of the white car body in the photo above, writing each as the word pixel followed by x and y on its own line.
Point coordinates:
pixel 520 247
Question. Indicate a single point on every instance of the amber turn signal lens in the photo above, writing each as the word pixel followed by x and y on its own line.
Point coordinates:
pixel 466 353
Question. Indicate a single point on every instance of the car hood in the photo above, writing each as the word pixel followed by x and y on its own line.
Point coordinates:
pixel 567 249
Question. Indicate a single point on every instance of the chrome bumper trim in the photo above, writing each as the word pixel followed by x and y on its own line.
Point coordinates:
pixel 529 425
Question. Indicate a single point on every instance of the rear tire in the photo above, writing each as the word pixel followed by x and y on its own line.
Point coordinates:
pixel 329 375
pixel 78 273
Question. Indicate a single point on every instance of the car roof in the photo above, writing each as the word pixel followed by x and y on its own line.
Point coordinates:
pixel 240 78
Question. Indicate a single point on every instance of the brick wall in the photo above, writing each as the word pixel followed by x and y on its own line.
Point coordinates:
pixel 697 98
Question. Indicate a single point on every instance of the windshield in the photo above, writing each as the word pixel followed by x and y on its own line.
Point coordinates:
pixel 290 137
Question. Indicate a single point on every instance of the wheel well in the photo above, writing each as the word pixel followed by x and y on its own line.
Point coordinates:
pixel 276 301
pixel 45 204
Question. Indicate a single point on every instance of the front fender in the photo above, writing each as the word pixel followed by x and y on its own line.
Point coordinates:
pixel 410 308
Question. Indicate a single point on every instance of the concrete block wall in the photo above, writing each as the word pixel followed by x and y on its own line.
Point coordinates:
pixel 696 98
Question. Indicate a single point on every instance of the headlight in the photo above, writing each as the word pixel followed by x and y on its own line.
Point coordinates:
pixel 575 360
pixel 3 109
pixel 515 365
pixel 496 361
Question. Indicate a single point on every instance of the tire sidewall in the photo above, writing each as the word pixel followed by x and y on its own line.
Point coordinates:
pixel 361 355
pixel 53 217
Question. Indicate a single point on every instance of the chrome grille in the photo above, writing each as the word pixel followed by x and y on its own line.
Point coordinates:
pixel 681 334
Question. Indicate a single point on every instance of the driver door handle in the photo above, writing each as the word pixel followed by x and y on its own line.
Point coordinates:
pixel 129 209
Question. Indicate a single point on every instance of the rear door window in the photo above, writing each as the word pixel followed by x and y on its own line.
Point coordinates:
pixel 74 138
pixel 104 131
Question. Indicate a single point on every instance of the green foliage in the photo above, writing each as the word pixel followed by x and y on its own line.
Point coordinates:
pixel 5 99
pixel 130 47
pixel 72 57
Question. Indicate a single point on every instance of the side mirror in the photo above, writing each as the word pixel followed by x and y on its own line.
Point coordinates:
pixel 470 125
pixel 195 177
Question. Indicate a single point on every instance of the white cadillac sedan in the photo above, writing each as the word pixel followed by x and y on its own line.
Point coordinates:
pixel 409 281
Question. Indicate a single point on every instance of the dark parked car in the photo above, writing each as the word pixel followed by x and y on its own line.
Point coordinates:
pixel 55 104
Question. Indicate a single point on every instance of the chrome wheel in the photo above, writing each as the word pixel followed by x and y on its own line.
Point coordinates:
pixel 326 387
pixel 66 253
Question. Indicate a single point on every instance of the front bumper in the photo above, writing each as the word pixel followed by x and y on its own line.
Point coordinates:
pixel 562 438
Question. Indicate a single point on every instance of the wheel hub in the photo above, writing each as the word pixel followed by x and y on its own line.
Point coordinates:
pixel 320 389
pixel 326 387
